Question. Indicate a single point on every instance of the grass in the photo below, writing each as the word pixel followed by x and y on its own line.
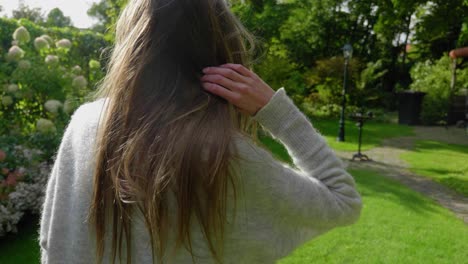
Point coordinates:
pixel 445 163
pixel 373 133
pixel 397 225
pixel 22 247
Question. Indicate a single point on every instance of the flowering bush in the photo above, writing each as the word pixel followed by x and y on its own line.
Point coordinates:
pixel 21 189
pixel 42 82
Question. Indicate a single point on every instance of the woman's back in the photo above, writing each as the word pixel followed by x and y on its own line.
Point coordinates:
pixel 169 161
pixel 278 208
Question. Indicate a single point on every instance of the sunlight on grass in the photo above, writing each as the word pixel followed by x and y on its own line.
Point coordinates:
pixel 397 225
pixel 445 163
pixel 373 134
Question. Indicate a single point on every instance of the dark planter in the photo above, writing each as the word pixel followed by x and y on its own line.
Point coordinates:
pixel 409 107
pixel 457 109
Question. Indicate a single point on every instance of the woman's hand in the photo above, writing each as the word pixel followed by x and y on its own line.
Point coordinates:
pixel 238 85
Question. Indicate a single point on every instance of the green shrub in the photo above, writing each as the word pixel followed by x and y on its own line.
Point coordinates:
pixel 45 74
pixel 434 79
pixel 326 81
pixel 278 70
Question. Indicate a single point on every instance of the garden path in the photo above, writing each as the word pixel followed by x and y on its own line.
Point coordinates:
pixel 386 159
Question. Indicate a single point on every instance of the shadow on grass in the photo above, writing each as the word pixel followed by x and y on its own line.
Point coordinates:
pixel 457 184
pixel 426 145
pixel 445 163
pixel 375 185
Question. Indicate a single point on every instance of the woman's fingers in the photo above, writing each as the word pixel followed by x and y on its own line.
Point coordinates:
pixel 221 91
pixel 239 68
pixel 223 81
pixel 226 72
pixel 238 85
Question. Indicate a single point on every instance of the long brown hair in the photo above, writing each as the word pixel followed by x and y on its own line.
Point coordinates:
pixel 162 135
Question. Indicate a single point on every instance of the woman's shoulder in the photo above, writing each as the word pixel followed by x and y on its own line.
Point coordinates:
pixel 90 111
pixel 92 106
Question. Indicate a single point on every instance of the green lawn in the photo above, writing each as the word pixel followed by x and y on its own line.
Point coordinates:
pixel 22 247
pixel 445 163
pixel 397 225
pixel 373 133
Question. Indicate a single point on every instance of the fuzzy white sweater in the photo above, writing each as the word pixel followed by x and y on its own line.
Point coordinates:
pixel 278 209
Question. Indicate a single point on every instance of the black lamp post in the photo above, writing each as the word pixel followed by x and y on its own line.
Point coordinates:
pixel 347 53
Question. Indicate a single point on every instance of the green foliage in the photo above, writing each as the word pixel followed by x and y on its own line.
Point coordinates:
pixel 369 84
pixel 326 79
pixel 45 74
pixel 434 79
pixel 56 18
pixel 107 13
pixel 26 85
pixel 278 70
pixel 313 31
pixel 440 27
pixel 32 14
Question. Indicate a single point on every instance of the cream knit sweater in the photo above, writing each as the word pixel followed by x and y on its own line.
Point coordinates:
pixel 278 209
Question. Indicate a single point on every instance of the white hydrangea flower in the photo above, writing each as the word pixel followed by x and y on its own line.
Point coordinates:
pixel 9 218
pixel 24 64
pixel 76 69
pixel 94 64
pixel 12 88
pixel 68 106
pixel 51 59
pixel 27 196
pixel 15 43
pixel 64 44
pixel 21 34
pixel 80 82
pixel 15 53
pixel 48 38
pixel 7 100
pixel 41 43
pixel 53 106
pixel 45 126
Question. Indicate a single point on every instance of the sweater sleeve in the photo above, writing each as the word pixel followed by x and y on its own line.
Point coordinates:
pixel 308 200
pixel 52 201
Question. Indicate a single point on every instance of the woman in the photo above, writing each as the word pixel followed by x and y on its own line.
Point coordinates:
pixel 163 167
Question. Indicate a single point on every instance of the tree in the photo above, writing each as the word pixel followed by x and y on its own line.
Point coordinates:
pixel 441 27
pixel 107 13
pixel 33 14
pixel 99 12
pixel 58 19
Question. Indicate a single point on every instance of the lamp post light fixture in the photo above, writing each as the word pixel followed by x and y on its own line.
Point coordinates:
pixel 347 53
